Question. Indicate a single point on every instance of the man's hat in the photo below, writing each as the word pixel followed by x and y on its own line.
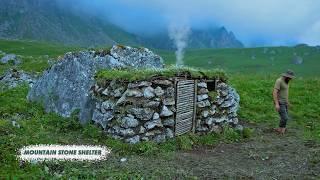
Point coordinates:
pixel 289 74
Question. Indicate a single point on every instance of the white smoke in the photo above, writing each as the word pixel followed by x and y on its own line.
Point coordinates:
pixel 179 34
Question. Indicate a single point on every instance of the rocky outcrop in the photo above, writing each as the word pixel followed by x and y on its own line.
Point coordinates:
pixel 13 78
pixel 65 87
pixel 10 58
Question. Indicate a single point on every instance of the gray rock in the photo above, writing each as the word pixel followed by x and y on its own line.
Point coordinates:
pixel 136 57
pixel 139 84
pixel 126 132
pixel 163 82
pixel 160 138
pixel 15 124
pixel 210 121
pixel 202 97
pixel 133 140
pixel 169 101
pixel 239 128
pixel 170 92
pixel 129 122
pixel 217 129
pixel 205 114
pixel 142 113
pixel 153 132
pixel 220 119
pixel 106 92
pixel 152 104
pixel 156 116
pixel 165 112
pixel 65 86
pixel 107 105
pixel 228 103
pixel 102 119
pixel 145 139
pixel 203 91
pixel 133 93
pixel 203 104
pixel 169 133
pixel 168 122
pixel 148 92
pixel 142 130
pixel 159 91
pixel 202 85
pixel 10 57
pixel 12 78
pixel 202 129
pixel 118 92
pixel 153 124
pixel 235 120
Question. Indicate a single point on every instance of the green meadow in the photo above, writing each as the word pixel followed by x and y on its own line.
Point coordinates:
pixel 252 71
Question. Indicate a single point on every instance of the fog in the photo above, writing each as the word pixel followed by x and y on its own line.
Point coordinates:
pixel 254 22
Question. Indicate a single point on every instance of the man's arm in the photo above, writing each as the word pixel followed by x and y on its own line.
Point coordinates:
pixel 275 99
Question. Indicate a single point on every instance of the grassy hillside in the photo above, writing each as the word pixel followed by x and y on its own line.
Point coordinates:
pixel 253 80
pixel 268 60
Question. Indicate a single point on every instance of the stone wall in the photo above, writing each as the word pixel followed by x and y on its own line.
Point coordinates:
pixel 145 110
pixel 216 108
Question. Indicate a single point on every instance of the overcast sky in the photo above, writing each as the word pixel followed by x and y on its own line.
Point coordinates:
pixel 254 22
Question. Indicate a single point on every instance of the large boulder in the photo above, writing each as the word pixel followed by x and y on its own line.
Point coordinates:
pixel 65 87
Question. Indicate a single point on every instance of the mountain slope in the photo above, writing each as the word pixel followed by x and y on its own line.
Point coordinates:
pixel 45 20
pixel 48 20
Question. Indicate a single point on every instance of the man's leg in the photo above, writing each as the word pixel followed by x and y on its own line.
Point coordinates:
pixel 283 112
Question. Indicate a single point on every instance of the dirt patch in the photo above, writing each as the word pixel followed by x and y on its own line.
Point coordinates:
pixel 265 156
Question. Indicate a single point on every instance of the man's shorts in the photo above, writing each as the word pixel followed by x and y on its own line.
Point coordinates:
pixel 283 112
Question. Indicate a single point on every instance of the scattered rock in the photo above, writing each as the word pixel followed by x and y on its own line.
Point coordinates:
pixel 13 78
pixel 10 57
pixel 123 159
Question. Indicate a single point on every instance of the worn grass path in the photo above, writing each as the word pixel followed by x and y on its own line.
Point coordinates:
pixel 266 155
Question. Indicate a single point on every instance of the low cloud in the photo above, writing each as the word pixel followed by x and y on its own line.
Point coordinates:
pixel 263 22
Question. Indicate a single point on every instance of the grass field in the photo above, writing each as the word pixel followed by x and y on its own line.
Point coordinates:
pixel 253 79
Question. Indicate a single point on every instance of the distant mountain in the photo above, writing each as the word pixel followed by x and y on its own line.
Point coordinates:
pixel 198 38
pixel 46 20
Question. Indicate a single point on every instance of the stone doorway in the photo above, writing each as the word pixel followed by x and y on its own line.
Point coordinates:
pixel 185 106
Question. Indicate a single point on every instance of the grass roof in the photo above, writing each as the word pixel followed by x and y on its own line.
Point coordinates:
pixel 146 74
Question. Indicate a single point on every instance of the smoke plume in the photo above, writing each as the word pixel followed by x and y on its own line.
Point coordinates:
pixel 179 35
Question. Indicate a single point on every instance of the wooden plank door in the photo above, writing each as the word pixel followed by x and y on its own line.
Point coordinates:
pixel 185 106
